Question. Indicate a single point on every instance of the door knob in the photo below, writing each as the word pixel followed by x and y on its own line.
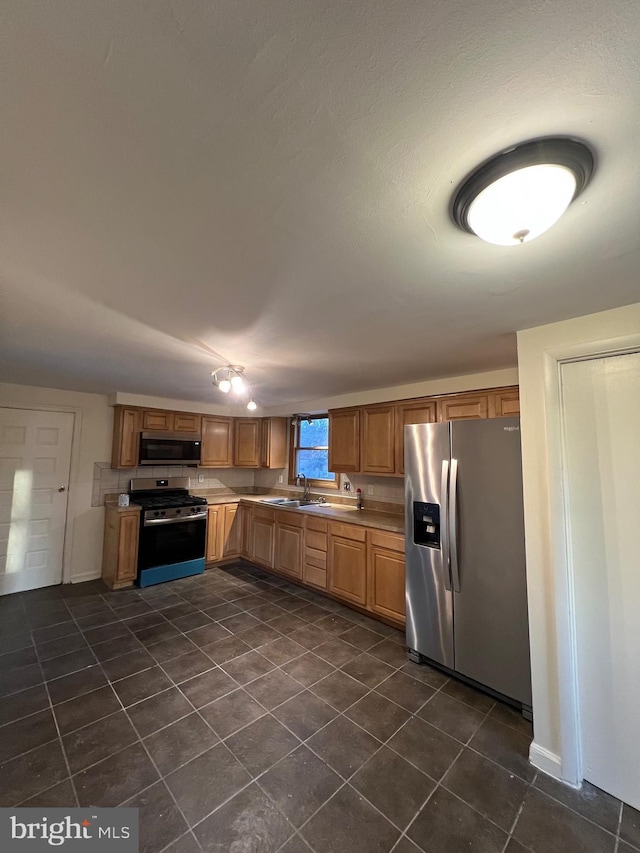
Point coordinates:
pixel 61 488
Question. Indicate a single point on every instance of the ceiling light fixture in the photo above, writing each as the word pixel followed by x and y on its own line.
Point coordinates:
pixel 231 378
pixel 521 192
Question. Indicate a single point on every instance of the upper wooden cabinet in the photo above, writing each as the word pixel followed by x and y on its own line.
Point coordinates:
pixel 460 407
pixel 344 440
pixel 185 422
pixel 155 419
pixel 273 443
pixel 217 442
pixel 504 403
pixel 377 446
pixel 246 443
pixel 125 450
pixel 411 412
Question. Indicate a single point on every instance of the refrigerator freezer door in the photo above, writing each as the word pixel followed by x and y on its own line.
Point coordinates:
pixel 490 611
pixel 428 583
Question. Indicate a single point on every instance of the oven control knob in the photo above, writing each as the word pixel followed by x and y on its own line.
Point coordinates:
pixel 163 512
pixel 156 513
pixel 178 511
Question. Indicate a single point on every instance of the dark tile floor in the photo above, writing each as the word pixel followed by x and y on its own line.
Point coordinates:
pixel 242 713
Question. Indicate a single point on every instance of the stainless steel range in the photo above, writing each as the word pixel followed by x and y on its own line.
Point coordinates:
pixel 173 529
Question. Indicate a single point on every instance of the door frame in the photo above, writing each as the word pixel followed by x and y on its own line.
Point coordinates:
pixel 562 565
pixel 71 512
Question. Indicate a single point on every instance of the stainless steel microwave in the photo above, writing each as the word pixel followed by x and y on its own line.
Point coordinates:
pixel 169 448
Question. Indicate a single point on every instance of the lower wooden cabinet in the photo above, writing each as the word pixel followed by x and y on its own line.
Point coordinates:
pixel 289 547
pixel 214 533
pixel 120 547
pixel 386 575
pixel 262 536
pixel 232 527
pixel 347 563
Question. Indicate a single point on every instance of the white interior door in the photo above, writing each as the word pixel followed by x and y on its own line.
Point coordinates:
pixel 35 456
pixel 601 402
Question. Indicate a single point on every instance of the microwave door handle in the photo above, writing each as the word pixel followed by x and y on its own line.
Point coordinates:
pixel 453 525
pixel 444 532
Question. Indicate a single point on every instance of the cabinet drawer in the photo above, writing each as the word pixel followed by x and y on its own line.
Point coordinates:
pixel 316 540
pixel 314 576
pixel 349 531
pixel 293 519
pixel 315 558
pixel 391 541
pixel 264 513
pixel 318 524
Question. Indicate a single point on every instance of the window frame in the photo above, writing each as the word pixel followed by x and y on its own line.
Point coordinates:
pixel 294 433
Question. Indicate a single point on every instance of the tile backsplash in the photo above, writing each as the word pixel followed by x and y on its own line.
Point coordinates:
pixel 107 480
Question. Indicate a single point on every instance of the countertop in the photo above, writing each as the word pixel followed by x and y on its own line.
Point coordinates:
pixel 391 521
pixel 113 506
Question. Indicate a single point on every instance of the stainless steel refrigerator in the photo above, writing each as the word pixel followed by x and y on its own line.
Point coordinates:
pixel 465 559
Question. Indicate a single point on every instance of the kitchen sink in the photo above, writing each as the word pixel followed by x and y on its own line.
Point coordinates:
pixel 292 504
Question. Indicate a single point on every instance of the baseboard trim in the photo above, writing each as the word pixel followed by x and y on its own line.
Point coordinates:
pixel 85 576
pixel 547 761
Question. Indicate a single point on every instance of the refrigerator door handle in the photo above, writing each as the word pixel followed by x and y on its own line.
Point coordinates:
pixel 444 525
pixel 453 525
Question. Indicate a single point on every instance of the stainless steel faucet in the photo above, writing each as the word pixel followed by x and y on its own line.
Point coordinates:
pixel 301 480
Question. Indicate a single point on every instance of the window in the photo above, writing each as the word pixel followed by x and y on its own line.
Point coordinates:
pixel 310 452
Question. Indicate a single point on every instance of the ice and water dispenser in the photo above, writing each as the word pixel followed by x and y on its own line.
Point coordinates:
pixel 426 524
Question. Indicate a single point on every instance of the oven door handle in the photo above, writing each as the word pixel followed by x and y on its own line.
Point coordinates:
pixel 149 522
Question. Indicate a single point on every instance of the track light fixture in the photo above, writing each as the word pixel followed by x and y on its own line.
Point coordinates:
pixel 231 378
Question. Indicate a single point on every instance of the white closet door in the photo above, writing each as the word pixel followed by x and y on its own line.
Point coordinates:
pixel 35 456
pixel 601 401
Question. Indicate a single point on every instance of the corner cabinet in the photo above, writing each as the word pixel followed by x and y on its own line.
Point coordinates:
pixel 344 440
pixel 217 442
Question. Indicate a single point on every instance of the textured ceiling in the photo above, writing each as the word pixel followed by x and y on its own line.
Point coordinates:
pixel 189 183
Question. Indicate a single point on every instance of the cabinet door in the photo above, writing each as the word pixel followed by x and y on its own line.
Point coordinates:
pixel 246 449
pixel 262 541
pixel 126 437
pixel 504 403
pixel 416 412
pixel 156 419
pixel 214 534
pixel 232 539
pixel 217 442
pixel 377 451
pixel 386 576
pixel 273 451
pixel 347 569
pixel 344 440
pixel 127 567
pixel 288 549
pixel 460 407
pixel 184 422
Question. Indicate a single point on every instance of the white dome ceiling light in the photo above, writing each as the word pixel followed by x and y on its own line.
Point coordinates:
pixel 521 192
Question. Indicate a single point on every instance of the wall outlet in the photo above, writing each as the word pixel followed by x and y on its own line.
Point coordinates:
pixel 347 486
pixel 280 479
pixel 369 490
pixel 201 478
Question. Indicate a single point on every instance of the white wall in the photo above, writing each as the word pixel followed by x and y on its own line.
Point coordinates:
pixel 91 442
pixel 556 740
pixel 431 387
